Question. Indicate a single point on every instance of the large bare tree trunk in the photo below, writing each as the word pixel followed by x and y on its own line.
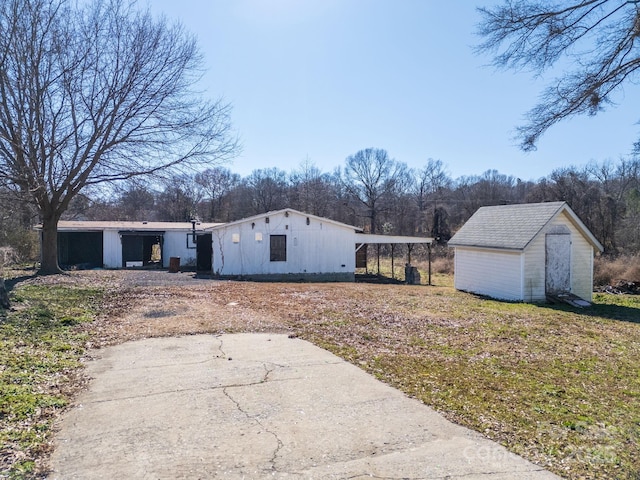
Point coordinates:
pixel 4 296
pixel 49 246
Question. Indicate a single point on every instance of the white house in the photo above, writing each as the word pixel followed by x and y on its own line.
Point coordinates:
pixel 292 245
pixel 525 252
pixel 285 244
pixel 280 245
pixel 133 244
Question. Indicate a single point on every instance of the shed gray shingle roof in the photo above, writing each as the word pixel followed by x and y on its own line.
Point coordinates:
pixel 509 227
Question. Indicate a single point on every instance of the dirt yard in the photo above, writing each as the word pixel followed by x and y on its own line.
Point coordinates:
pixel 527 376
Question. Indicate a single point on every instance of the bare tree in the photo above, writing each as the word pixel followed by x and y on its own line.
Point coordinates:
pixel 179 199
pixel 217 183
pixel 432 184
pixel 369 175
pixel 94 92
pixel 311 190
pixel 137 202
pixel 599 36
pixel 268 189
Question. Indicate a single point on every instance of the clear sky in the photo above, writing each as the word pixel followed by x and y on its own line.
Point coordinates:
pixel 322 79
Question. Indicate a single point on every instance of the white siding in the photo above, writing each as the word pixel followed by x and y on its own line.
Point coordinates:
pixel 175 245
pixel 534 270
pixel 581 263
pixel 497 274
pixel 112 249
pixel 318 248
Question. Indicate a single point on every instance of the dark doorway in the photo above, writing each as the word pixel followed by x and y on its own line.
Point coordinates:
pixel 204 252
pixel 361 256
pixel 141 249
pixel 80 249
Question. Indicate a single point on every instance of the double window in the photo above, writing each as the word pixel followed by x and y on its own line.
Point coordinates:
pixel 278 252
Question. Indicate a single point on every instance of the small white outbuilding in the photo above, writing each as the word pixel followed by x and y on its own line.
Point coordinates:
pixel 525 252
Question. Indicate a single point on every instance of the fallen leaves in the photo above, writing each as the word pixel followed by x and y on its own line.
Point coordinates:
pixel 557 386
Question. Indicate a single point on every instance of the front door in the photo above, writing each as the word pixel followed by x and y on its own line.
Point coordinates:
pixel 204 252
pixel 558 262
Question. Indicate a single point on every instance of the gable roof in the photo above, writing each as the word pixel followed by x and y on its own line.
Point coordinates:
pixel 513 227
pixel 284 211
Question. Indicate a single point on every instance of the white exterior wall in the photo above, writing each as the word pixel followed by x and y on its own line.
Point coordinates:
pixel 581 263
pixel 534 270
pixel 175 245
pixel 318 248
pixel 111 249
pixel 494 273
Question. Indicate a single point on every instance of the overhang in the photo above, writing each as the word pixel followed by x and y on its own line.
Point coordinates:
pixel 373 238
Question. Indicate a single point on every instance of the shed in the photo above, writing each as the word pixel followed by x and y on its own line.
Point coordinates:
pixel 115 244
pixel 525 252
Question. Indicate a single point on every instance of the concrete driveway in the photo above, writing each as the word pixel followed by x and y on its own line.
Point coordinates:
pixel 258 406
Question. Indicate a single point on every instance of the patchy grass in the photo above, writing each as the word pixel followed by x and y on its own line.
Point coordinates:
pixel 557 385
pixel 40 351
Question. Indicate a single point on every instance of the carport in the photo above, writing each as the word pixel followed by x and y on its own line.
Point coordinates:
pixel 80 248
pixel 138 247
pixel 364 239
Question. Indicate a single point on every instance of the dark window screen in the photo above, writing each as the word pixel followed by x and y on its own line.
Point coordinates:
pixel 278 248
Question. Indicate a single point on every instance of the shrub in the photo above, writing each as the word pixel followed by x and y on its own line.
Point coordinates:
pixel 611 270
pixel 21 246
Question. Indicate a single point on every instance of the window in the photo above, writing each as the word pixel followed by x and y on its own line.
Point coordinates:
pixel 278 248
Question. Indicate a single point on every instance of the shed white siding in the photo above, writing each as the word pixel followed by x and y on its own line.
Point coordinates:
pixel 582 253
pixel 534 271
pixel 315 248
pixel 494 273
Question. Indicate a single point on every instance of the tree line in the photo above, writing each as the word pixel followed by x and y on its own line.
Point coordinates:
pixel 103 96
pixel 372 191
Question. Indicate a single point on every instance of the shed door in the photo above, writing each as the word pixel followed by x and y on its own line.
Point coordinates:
pixel 558 262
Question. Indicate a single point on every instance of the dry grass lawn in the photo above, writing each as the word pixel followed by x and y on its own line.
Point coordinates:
pixel 559 386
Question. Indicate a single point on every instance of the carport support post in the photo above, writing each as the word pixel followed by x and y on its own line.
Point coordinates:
pixel 429 255
pixel 378 259
pixel 392 251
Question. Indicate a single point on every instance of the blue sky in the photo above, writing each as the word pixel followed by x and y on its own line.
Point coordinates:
pixel 322 79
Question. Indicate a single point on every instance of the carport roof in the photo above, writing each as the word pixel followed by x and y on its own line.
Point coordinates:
pixel 389 239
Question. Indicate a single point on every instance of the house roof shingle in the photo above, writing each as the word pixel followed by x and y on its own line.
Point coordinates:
pixel 512 227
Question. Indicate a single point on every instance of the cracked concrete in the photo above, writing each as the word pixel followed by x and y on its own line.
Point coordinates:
pixel 259 406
